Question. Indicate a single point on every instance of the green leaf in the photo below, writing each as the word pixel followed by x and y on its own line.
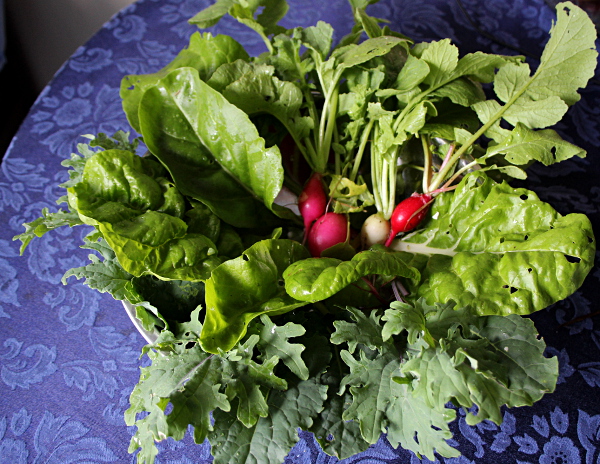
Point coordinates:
pixel 404 317
pixel 382 405
pixel 246 379
pixel 119 197
pixel 348 196
pixel 318 38
pixel 498 249
pixel 412 74
pixel 47 222
pixel 246 287
pixel 418 427
pixel 461 91
pixel 368 50
pixel 316 279
pixel 270 439
pixel 442 59
pixel 212 149
pixel 570 53
pixel 274 342
pixel 364 331
pixel 338 437
pixel 262 15
pixel 488 361
pixel 104 273
pixel 524 145
pixel 254 89
pixel 212 14
pixel 205 53
pixel 186 378
pixel 481 66
pixel 541 99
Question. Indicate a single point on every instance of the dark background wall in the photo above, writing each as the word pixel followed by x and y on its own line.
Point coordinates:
pixel 39 36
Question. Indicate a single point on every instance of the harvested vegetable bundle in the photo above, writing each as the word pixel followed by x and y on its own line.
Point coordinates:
pixel 347 337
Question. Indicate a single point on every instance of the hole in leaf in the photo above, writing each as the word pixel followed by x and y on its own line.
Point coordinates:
pixel 529 270
pixel 190 345
pixel 523 197
pixel 501 239
pixel 505 286
pixel 513 290
pixel 280 282
pixel 590 239
pixel 573 259
pixel 553 153
pixel 168 409
pixel 345 191
pixel 526 238
pixel 245 257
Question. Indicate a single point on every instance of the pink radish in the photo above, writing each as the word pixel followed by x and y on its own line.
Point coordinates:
pixel 408 214
pixel 312 202
pixel 329 230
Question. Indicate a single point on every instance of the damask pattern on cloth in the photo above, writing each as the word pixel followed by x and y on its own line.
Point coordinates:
pixel 69 356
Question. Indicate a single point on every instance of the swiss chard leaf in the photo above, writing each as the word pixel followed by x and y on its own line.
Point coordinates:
pixel 212 149
pixel 254 89
pixel 316 279
pixel 246 287
pixel 499 249
pixel 205 53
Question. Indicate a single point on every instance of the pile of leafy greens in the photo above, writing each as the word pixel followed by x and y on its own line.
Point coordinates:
pixel 257 338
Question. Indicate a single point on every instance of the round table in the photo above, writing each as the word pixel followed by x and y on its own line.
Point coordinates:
pixel 69 356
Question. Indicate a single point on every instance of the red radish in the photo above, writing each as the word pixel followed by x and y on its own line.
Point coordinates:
pixel 329 230
pixel 408 214
pixel 312 202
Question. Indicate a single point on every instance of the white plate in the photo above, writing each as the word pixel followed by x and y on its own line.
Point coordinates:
pixel 150 337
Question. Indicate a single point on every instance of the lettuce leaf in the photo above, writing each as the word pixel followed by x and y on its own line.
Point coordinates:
pixel 140 217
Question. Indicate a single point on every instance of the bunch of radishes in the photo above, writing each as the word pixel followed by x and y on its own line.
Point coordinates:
pixel 325 229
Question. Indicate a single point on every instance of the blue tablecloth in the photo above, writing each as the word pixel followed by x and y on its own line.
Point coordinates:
pixel 69 356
